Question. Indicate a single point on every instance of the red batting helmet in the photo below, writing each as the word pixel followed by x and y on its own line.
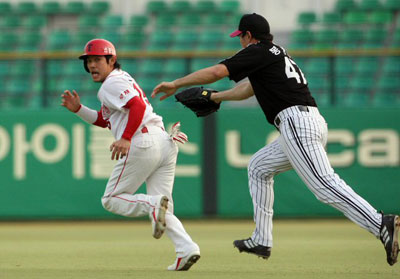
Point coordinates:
pixel 97 47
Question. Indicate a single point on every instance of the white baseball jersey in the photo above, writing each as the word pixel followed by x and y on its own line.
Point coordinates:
pixel 118 88
pixel 151 159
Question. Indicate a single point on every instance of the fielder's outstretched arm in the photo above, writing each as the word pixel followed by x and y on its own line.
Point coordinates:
pixel 241 92
pixel 203 76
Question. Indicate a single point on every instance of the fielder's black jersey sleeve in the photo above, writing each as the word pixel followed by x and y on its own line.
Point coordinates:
pixel 277 81
pixel 246 62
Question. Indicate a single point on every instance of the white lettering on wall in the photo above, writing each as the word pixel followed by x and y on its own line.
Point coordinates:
pixel 62 143
pixel 345 138
pixel 4 143
pixel 78 151
pixel 21 147
pixel 233 151
pixel 371 148
pixel 376 148
pixel 379 148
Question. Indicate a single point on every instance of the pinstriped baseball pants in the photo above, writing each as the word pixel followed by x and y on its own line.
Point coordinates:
pixel 300 146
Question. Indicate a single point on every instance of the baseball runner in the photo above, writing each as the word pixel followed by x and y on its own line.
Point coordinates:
pixel 281 90
pixel 143 150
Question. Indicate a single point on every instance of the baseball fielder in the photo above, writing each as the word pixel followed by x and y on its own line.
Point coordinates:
pixel 143 150
pixel 282 92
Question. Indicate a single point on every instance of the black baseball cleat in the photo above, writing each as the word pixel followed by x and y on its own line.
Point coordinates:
pixel 389 236
pixel 248 246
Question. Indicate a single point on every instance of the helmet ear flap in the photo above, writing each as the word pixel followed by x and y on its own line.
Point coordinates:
pixel 85 65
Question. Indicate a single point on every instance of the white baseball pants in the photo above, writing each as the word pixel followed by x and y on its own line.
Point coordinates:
pixel 151 159
pixel 300 146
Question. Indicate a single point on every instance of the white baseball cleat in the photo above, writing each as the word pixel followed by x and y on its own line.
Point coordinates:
pixel 185 263
pixel 157 217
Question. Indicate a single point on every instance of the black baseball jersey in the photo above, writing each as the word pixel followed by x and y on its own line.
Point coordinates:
pixel 278 83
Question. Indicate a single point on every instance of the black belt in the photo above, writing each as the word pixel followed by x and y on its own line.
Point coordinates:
pixel 277 121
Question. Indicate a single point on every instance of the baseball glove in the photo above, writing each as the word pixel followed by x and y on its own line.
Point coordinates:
pixel 198 100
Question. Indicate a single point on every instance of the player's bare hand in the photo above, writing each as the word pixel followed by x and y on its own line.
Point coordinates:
pixel 71 101
pixel 119 148
pixel 168 88
pixel 214 98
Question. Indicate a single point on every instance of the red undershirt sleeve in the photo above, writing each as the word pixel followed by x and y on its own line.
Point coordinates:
pixel 136 108
pixel 100 120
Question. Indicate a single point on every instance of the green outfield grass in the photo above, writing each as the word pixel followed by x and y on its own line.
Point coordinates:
pixel 303 249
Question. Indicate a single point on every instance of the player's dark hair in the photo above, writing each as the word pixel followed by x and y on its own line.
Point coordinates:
pixel 264 37
pixel 270 37
pixel 261 37
pixel 117 65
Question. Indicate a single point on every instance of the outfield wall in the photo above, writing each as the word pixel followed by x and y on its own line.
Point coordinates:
pixel 54 166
